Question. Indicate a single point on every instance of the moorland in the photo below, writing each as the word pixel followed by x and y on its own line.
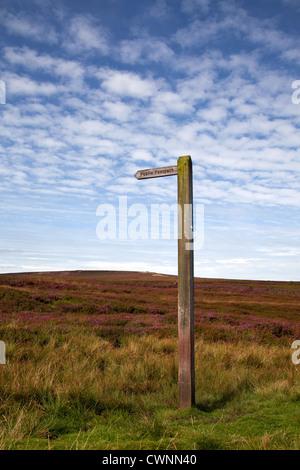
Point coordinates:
pixel 91 363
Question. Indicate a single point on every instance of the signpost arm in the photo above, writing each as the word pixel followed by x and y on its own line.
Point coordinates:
pixel 186 366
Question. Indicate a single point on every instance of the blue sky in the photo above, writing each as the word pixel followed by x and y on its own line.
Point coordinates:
pixel 97 90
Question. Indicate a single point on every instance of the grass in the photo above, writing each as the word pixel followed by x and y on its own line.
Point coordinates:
pixel 102 373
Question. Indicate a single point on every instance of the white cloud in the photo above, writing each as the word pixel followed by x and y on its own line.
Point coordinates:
pixel 51 65
pixel 22 85
pixel 142 155
pixel 160 10
pixel 144 50
pixel 84 34
pixel 216 113
pixel 190 6
pixel 170 103
pixel 117 110
pixel 36 29
pixel 235 22
pixel 127 84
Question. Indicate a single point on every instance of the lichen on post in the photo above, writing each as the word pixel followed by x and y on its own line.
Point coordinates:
pixel 186 366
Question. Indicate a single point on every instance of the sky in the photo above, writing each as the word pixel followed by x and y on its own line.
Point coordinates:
pixel 95 90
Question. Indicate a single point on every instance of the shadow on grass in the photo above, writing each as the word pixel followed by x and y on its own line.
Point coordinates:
pixel 211 404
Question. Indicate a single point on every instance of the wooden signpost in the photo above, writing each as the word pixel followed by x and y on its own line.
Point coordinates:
pixel 186 364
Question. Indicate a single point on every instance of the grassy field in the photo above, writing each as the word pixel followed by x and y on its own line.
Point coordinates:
pixel 92 363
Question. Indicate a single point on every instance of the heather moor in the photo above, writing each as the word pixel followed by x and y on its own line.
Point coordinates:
pixel 91 363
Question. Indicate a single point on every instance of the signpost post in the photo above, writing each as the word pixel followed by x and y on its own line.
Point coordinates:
pixel 186 364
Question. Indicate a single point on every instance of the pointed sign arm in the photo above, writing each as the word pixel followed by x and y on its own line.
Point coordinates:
pixel 156 172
